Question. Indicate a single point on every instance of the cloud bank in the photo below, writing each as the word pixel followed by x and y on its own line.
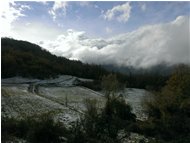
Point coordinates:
pixel 144 47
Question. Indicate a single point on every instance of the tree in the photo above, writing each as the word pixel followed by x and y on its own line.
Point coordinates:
pixel 110 84
pixel 169 110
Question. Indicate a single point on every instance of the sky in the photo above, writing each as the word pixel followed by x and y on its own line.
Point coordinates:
pixel 139 34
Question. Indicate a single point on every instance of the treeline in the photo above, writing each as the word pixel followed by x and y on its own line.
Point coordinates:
pixel 150 81
pixel 21 58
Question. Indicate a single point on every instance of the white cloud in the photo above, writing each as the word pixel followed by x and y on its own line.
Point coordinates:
pixel 59 9
pixel 59 4
pixel 143 7
pixel 96 6
pixel 10 12
pixel 84 3
pixel 146 46
pixel 43 2
pixel 120 12
pixel 30 31
pixel 108 30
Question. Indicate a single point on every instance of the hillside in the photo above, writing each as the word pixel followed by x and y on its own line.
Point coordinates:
pixel 21 58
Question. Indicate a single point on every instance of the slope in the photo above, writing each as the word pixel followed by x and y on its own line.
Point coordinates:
pixel 21 58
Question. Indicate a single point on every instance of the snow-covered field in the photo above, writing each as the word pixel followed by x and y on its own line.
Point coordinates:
pixel 17 102
pixel 62 99
pixel 135 98
pixel 72 96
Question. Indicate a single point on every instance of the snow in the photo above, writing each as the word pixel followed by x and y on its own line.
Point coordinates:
pixel 134 97
pixel 18 102
pixel 75 96
pixel 65 80
pixel 18 80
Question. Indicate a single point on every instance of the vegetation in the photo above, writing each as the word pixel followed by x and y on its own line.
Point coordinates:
pixel 21 58
pixel 147 80
pixel 152 78
pixel 103 125
pixel 169 110
pixel 35 130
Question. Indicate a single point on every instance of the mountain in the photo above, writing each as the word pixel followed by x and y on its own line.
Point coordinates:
pixel 22 58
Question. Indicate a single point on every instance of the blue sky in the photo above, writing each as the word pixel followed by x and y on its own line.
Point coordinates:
pixel 88 31
pixel 89 16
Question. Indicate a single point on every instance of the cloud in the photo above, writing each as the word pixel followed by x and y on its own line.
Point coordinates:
pixel 10 12
pixel 84 3
pixel 143 7
pixel 96 6
pixel 30 31
pixel 59 9
pixel 120 13
pixel 108 30
pixel 144 47
pixel 43 2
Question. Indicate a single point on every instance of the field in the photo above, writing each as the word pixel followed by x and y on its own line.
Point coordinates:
pixel 66 102
pixel 59 97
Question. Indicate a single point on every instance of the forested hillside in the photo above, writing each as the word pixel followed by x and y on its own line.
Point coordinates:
pixel 21 58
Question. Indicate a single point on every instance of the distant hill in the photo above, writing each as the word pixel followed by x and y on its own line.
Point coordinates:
pixel 21 58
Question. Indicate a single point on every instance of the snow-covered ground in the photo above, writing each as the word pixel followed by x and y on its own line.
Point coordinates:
pixel 17 102
pixel 58 96
pixel 72 96
pixel 22 97
pixel 135 98
pixel 65 80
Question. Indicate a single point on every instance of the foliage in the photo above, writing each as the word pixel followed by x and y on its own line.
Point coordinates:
pixel 110 83
pixel 169 110
pixel 21 58
pixel 104 125
pixel 94 85
pixel 35 130
pixel 147 80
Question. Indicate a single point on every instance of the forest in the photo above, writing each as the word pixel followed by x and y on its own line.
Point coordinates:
pixel 21 58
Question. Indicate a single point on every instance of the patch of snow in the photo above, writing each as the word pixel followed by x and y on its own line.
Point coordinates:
pixel 18 80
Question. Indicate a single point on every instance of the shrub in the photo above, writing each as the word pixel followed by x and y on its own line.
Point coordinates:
pixel 104 126
pixel 169 110
pixel 35 130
